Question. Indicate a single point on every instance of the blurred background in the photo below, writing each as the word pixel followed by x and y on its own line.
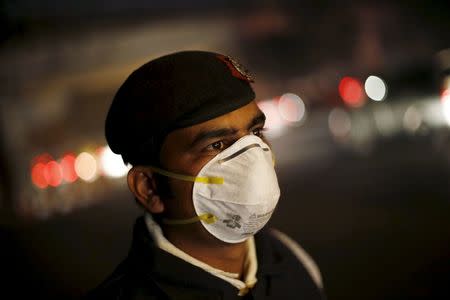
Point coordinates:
pixel 357 95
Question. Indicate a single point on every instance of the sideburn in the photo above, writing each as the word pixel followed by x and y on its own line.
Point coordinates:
pixel 164 190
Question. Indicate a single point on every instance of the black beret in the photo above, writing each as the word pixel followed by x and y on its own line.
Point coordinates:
pixel 173 91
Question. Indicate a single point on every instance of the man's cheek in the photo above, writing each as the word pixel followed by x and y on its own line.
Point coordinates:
pixel 182 202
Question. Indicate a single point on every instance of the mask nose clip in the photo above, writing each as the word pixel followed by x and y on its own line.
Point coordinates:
pixel 242 150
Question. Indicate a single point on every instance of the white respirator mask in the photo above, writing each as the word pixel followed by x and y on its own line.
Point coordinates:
pixel 235 193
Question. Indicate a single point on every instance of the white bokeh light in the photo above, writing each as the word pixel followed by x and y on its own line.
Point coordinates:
pixel 291 107
pixel 274 123
pixel 375 88
pixel 385 120
pixel 86 167
pixel 339 122
pixel 412 119
pixel 446 108
pixel 445 102
pixel 112 164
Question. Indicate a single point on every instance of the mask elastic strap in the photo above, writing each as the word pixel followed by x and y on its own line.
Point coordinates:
pixel 207 180
pixel 207 218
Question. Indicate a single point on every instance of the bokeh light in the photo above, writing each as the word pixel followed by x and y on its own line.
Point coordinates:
pixel 274 123
pixel 42 158
pixel 38 170
pixel 291 107
pixel 446 109
pixel 375 88
pixel 112 164
pixel 86 167
pixel 37 175
pixel 68 168
pixel 412 119
pixel 446 105
pixel 385 119
pixel 445 95
pixel 350 90
pixel 53 173
pixel 339 123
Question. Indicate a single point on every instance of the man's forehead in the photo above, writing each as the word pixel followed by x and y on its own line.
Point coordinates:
pixel 235 120
pixel 238 119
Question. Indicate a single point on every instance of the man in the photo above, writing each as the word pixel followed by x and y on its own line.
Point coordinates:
pixel 202 170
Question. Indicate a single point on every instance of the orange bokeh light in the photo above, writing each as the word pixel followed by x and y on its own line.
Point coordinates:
pixel 68 168
pixel 37 175
pixel 53 173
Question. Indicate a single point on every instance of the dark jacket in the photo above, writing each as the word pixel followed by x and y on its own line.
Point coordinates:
pixel 151 273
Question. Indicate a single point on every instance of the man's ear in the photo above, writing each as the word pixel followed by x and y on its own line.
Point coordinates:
pixel 142 184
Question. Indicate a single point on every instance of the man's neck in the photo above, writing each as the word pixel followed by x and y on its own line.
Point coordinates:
pixel 199 244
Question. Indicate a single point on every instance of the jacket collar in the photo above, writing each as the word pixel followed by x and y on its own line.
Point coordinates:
pixel 169 271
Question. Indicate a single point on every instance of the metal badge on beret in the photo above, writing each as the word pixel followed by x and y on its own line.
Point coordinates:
pixel 237 69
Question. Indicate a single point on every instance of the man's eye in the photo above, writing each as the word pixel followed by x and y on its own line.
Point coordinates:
pixel 218 146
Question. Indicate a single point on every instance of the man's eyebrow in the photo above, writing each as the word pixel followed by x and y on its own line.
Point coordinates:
pixel 210 134
pixel 259 119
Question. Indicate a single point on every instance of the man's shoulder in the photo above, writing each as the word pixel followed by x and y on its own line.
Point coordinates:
pixel 116 284
pixel 125 283
pixel 284 245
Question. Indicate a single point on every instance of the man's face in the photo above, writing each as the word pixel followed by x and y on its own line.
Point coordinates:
pixel 187 150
